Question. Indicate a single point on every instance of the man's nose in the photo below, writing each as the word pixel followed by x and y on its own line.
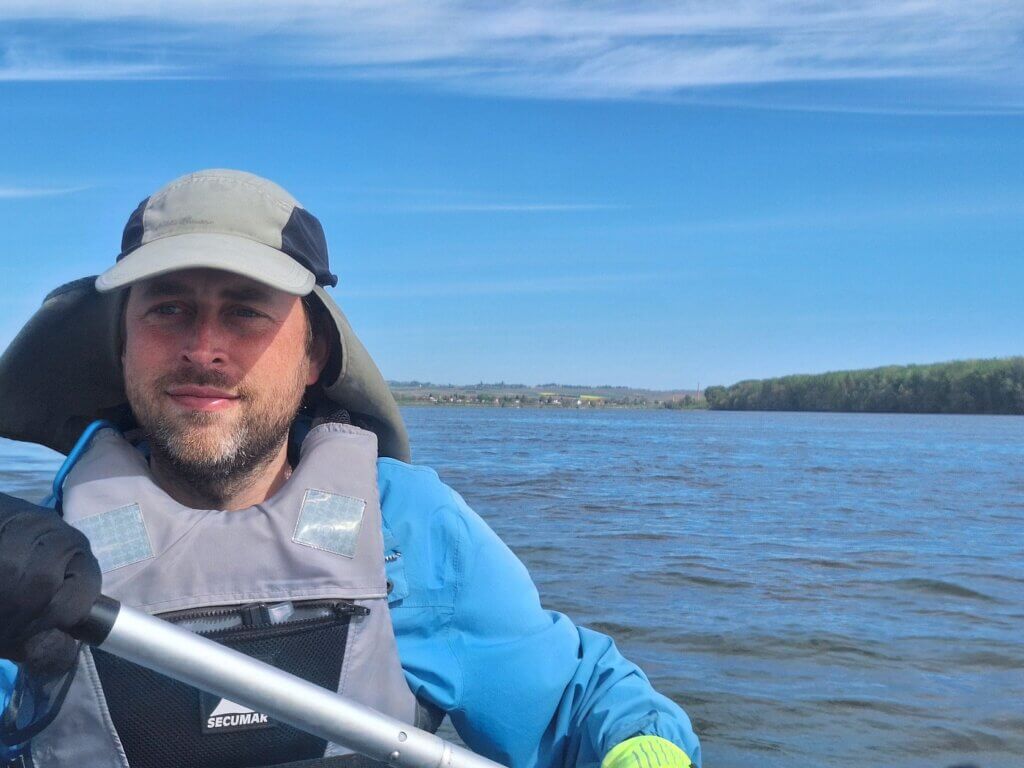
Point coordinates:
pixel 204 344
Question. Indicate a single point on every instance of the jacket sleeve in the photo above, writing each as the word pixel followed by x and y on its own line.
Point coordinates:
pixel 522 685
pixel 8 677
pixel 28 704
pixel 8 674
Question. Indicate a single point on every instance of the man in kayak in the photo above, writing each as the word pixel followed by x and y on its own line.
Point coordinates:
pixel 254 486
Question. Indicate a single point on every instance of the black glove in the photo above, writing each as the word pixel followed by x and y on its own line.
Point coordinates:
pixel 48 582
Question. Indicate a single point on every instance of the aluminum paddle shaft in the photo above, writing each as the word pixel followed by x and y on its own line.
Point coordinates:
pixel 202 663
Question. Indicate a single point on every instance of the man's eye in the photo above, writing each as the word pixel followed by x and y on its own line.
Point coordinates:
pixel 166 309
pixel 246 312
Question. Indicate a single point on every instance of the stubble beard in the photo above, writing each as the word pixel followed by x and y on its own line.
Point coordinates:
pixel 215 462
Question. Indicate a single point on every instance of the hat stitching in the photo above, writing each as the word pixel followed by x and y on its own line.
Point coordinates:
pixel 257 188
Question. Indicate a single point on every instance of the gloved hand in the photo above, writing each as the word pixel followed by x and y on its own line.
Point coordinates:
pixel 48 582
pixel 646 751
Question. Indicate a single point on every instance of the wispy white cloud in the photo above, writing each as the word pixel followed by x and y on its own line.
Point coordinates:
pixel 70 72
pixel 26 59
pixel 545 48
pixel 21 193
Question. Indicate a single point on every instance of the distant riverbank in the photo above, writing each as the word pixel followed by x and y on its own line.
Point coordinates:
pixel 963 386
pixel 502 395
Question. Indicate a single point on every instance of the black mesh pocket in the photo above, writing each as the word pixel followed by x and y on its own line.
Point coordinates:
pixel 164 723
pixel 342 761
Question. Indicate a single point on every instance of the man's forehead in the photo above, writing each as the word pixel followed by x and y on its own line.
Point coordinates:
pixel 207 281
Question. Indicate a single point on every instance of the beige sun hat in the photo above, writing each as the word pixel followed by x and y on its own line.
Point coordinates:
pixel 63 370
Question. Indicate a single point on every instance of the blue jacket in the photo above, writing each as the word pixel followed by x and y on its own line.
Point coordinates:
pixel 522 685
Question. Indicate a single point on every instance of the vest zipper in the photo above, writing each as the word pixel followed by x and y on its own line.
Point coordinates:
pixel 239 619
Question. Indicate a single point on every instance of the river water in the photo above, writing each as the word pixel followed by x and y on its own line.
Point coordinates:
pixel 814 589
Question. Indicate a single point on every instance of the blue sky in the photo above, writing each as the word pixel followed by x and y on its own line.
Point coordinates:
pixel 653 195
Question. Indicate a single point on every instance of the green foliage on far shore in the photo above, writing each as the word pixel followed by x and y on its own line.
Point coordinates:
pixel 685 403
pixel 963 386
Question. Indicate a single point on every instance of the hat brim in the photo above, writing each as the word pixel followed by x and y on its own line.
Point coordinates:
pixel 195 250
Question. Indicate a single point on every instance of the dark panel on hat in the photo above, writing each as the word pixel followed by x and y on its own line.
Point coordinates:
pixel 303 239
pixel 131 238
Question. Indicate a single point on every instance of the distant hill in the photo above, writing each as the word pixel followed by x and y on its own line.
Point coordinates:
pixel 963 386
pixel 545 395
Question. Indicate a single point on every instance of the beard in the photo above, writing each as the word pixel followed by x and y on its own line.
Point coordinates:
pixel 215 452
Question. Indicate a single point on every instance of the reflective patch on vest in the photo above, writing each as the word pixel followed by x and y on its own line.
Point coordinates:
pixel 225 716
pixel 118 537
pixel 330 522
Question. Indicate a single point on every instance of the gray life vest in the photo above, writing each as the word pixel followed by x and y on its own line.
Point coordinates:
pixel 298 581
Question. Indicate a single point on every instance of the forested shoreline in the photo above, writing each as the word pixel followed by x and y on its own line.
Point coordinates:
pixel 964 386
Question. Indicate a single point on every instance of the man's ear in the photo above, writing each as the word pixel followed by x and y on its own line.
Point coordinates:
pixel 317 358
pixel 122 323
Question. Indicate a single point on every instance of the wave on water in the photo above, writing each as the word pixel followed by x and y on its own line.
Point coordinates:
pixel 941 588
pixel 821 562
pixel 991 660
pixel 833 648
pixel 637 536
pixel 944 739
pixel 669 579
pixel 819 470
pixel 882 706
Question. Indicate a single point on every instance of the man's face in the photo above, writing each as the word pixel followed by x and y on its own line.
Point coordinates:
pixel 215 366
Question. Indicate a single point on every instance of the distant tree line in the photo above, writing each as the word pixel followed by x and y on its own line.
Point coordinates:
pixel 684 403
pixel 963 386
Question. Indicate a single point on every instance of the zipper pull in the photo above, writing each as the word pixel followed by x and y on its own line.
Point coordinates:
pixel 255 615
pixel 350 609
